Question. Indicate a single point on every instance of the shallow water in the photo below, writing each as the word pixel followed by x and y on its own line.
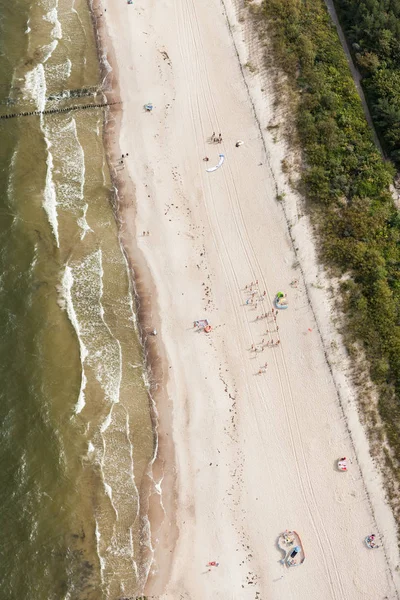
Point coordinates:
pixel 75 428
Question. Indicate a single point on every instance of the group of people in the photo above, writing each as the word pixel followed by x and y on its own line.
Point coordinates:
pixel 256 296
pixel 216 139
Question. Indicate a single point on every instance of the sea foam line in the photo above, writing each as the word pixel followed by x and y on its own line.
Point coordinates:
pixel 116 398
pixel 67 283
pixel 101 559
pixel 52 17
pixel 35 85
pixel 50 198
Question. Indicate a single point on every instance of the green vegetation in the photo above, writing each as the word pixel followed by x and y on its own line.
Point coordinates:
pixel 373 29
pixel 347 185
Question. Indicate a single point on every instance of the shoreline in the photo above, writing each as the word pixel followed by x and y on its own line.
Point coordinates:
pixel 149 308
pixel 156 504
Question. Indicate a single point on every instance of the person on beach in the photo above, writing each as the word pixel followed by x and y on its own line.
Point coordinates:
pixel 213 136
pixel 206 159
pixel 219 138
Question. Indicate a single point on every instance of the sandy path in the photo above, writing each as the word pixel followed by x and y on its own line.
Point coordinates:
pixel 255 454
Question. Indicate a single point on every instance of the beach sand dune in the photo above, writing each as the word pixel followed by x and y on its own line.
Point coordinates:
pixel 255 452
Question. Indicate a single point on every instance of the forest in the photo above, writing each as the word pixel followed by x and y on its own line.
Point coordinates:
pixel 345 180
pixel 373 29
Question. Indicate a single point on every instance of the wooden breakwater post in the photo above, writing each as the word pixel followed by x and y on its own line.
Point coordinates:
pixel 52 111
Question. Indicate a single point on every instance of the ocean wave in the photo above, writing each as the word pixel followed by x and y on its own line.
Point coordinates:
pixel 48 50
pixel 11 174
pixel 50 200
pixel 101 559
pixel 59 73
pixel 52 17
pixel 71 189
pixel 132 465
pixel 35 86
pixel 109 493
pixel 104 354
pixel 67 283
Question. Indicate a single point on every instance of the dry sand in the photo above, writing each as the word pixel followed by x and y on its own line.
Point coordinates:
pixel 255 454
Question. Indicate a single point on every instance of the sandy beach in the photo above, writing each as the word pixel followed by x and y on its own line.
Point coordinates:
pixel 254 448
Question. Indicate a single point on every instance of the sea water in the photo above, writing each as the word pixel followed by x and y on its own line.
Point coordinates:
pixel 76 436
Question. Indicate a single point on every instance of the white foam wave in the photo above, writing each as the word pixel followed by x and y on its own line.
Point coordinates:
pixel 104 352
pixel 132 472
pixel 35 86
pixel 109 493
pixel 59 73
pixel 83 224
pixel 48 50
pixel 52 17
pixel 50 200
pixel 71 189
pixel 67 283
pixel 133 317
pixel 11 174
pixel 101 559
pixel 107 422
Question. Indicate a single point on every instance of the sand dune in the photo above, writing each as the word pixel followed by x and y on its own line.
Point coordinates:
pixel 255 453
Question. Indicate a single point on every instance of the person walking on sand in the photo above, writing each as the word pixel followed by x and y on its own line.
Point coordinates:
pixel 219 138
pixel 213 136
